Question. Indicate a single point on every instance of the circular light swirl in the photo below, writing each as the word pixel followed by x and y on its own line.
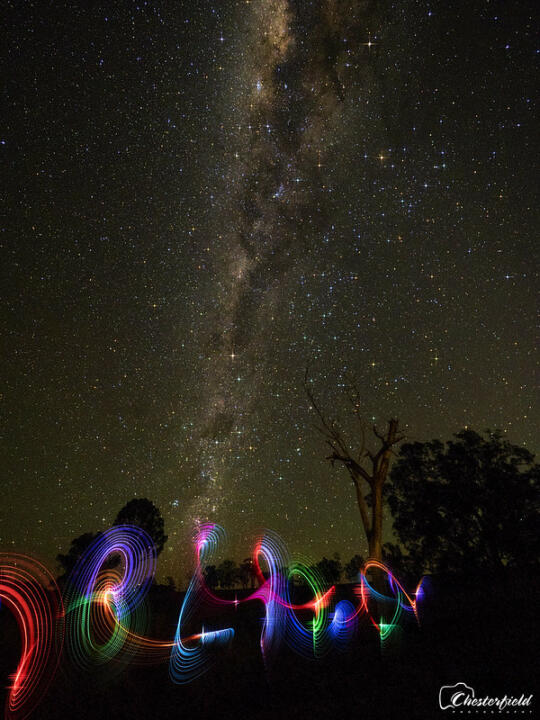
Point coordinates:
pixel 105 593
pixel 29 592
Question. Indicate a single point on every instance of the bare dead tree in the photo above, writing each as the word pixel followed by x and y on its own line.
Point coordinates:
pixel 368 470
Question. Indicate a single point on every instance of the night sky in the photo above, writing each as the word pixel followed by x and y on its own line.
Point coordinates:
pixel 202 198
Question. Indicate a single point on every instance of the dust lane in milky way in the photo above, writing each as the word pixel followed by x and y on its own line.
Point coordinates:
pixel 296 87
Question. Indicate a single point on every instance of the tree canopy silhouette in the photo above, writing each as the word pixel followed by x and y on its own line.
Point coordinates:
pixel 353 567
pixel 211 576
pixel 77 547
pixel 468 504
pixel 143 513
pixel 246 573
pixel 330 569
pixel 227 573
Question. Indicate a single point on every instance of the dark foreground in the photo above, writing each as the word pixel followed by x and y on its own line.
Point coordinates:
pixel 472 632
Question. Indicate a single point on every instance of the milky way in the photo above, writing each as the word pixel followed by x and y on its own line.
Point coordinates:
pixel 254 243
pixel 297 59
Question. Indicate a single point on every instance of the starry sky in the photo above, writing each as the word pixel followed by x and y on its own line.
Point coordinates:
pixel 200 199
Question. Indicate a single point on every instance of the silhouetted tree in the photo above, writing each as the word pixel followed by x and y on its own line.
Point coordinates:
pixel 353 567
pixel 368 470
pixel 211 576
pixel 401 563
pixel 143 513
pixel 227 573
pixel 468 504
pixel 393 554
pixel 330 569
pixel 246 573
pixel 78 546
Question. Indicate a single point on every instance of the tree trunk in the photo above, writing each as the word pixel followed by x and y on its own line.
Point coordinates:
pixel 375 547
pixel 375 536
